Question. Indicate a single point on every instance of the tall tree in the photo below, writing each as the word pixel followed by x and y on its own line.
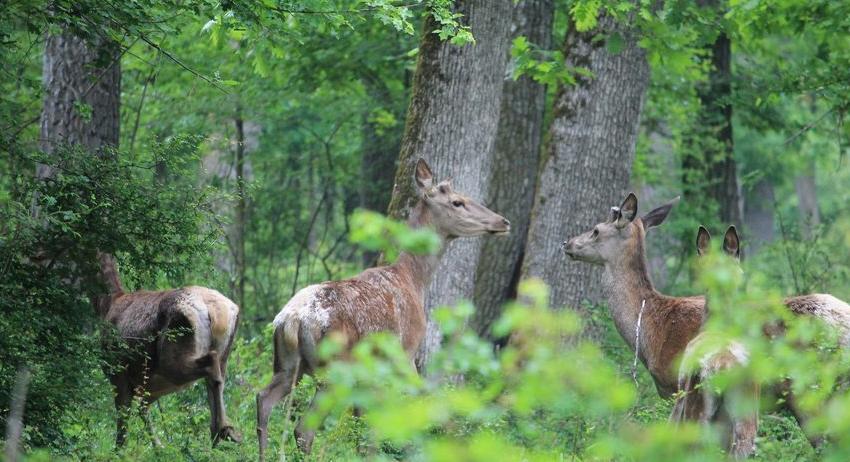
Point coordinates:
pixel 82 94
pixel 514 173
pixel 710 167
pixel 588 159
pixel 452 122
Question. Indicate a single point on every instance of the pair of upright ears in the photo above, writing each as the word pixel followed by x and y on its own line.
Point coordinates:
pixel 731 243
pixel 627 211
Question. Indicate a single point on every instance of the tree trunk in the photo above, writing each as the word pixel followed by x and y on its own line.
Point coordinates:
pixel 82 85
pixel 807 201
pixel 710 167
pixel 452 122
pixel 759 216
pixel 588 158
pixel 514 173
pixel 241 210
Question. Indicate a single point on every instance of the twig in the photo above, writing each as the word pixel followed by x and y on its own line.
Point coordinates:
pixel 785 246
pixel 15 422
pixel 808 126
pixel 180 63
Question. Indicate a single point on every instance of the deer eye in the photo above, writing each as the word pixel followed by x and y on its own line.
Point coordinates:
pixel 457 203
pixel 595 233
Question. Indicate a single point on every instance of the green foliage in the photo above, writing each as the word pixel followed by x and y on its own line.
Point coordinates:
pixel 91 203
pixel 377 232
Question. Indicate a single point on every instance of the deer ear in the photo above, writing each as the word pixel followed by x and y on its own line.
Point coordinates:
pixel 657 215
pixel 423 176
pixel 703 241
pixel 627 211
pixel 731 243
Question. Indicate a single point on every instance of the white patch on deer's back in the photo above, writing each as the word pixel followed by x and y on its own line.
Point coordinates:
pixel 305 306
pixel 222 314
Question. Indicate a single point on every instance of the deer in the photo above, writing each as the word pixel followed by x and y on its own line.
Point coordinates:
pixel 833 312
pixel 174 337
pixel 706 356
pixel 382 299
pixel 655 326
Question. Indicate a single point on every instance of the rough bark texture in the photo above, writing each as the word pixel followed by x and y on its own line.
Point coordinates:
pixel 82 84
pixel 452 122
pixel 711 170
pixel 759 216
pixel 588 158
pixel 514 173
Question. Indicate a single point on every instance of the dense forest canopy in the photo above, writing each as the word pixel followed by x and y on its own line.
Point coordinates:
pixel 260 147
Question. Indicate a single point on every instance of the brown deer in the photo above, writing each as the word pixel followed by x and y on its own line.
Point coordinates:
pixel 705 357
pixel 388 298
pixel 173 338
pixel 832 311
pixel 667 323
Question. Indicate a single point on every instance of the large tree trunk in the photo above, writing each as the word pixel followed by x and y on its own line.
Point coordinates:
pixel 759 217
pixel 82 85
pixel 588 159
pixel 514 172
pixel 240 224
pixel 452 122
pixel 711 170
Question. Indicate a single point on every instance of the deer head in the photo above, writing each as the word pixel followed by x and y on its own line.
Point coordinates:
pixel 610 241
pixel 731 242
pixel 452 213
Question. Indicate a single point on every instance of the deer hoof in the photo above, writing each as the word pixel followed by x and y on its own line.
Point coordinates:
pixel 227 433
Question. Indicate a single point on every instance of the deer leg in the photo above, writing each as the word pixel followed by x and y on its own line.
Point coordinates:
pixel 220 428
pixel 123 400
pixel 282 383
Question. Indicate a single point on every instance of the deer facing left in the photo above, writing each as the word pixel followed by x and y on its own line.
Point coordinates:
pixel 173 338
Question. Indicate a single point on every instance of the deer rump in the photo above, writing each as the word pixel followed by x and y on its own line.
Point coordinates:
pixel 179 331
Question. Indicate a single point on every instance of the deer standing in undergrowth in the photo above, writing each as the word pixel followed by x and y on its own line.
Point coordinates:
pixel 734 410
pixel 173 337
pixel 834 313
pixel 388 298
pixel 656 327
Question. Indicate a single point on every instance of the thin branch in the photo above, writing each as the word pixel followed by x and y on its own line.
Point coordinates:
pixel 305 242
pixel 168 55
pixel 808 126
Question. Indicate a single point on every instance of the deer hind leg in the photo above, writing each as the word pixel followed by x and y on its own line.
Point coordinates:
pixel 123 402
pixel 304 435
pixel 282 383
pixel 220 428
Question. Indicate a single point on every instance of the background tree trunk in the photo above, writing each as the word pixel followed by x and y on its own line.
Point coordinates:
pixel 452 122
pixel 807 201
pixel 514 173
pixel 588 159
pixel 239 226
pixel 759 216
pixel 82 85
pixel 710 167
pixel 82 97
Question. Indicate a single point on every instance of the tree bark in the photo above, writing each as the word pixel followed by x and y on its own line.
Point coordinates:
pixel 451 122
pixel 241 211
pixel 82 84
pixel 711 170
pixel 759 216
pixel 588 158
pixel 513 177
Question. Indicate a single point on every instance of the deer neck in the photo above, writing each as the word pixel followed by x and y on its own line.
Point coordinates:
pixel 420 268
pixel 629 288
